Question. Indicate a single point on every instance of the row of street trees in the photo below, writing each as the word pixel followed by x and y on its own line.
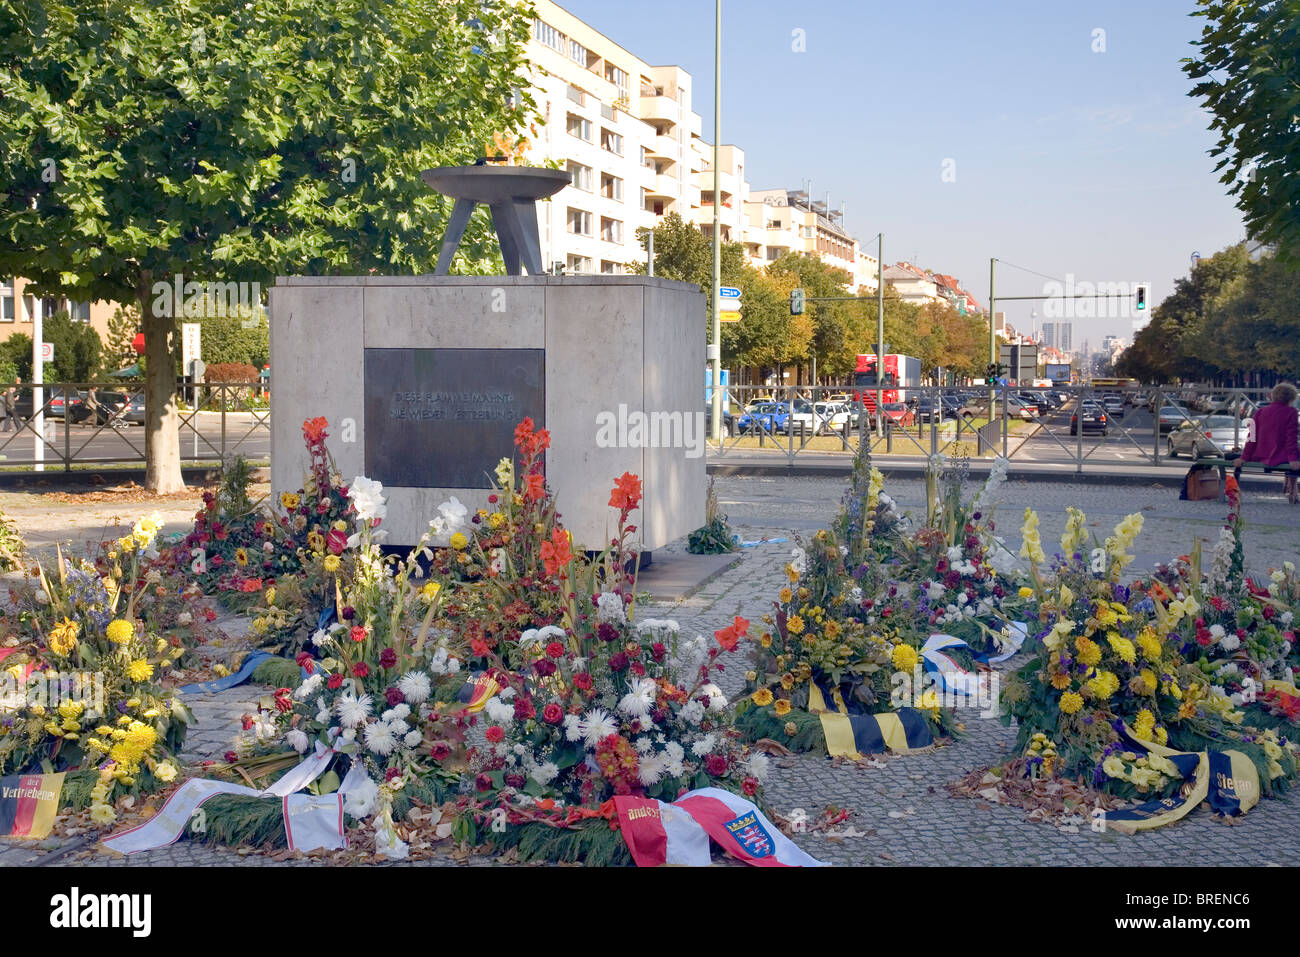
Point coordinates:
pixel 1232 321
pixel 767 338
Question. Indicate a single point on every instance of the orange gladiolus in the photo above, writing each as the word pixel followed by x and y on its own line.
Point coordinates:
pixel 627 492
pixel 556 554
pixel 730 636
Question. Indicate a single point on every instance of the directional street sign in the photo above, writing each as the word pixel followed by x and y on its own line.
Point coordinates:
pixel 728 292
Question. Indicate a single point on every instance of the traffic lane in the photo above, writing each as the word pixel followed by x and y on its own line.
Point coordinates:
pixel 84 443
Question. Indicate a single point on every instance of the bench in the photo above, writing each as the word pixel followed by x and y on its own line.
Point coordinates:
pixel 1223 465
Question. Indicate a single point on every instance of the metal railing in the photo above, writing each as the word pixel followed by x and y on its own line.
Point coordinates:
pixel 1125 432
pixel 103 423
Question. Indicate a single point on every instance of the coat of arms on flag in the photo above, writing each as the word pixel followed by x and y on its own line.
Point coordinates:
pixel 750 834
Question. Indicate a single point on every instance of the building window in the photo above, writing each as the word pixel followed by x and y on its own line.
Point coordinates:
pixel 80 311
pixel 617 77
pixel 577 96
pixel 611 268
pixel 579 263
pixel 611 141
pixel 579 222
pixel 6 300
pixel 611 230
pixel 579 127
pixel 577 53
pixel 581 176
pixel 547 35
pixel 29 309
pixel 611 187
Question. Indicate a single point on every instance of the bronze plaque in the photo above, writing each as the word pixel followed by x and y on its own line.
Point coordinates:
pixel 444 418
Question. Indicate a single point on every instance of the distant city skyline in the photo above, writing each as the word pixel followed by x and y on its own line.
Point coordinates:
pixel 1059 139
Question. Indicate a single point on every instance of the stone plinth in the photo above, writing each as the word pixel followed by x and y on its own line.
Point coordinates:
pixel 422 379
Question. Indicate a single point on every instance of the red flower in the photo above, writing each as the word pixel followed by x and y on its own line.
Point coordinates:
pixel 749 786
pixel 246 721
pixel 730 636
pixel 479 647
pixel 627 493
pixel 360 669
pixel 716 764
pixel 495 734
pixel 618 661
pixel 313 430
pixel 334 681
pixel 534 487
pixel 305 661
pixel 555 650
pixel 387 658
pixel 483 782
pixel 231 757
pixel 556 554
pixel 524 709
pixel 282 702
pixel 394 697
pixel 336 541
pixel 552 713
pixel 358 634
pixel 582 681
pixel 440 751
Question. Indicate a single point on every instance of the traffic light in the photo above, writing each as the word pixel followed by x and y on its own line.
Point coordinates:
pixel 796 302
pixel 1141 296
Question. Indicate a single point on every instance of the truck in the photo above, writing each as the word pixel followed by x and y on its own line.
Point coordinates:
pixel 901 373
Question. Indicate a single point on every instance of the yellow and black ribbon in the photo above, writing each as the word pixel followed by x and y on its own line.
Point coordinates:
pixel 851 734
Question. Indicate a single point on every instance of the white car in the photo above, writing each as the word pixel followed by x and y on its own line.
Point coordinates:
pixel 832 416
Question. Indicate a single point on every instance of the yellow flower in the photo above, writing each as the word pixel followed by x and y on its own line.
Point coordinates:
pixel 791 729
pixel 139 670
pixel 459 541
pixel 496 520
pixel 791 574
pixel 220 671
pixel 904 658
pixel 1089 651
pixel 430 591
pixel 1103 685
pixel 785 595
pixel 1149 643
pixel 120 631
pixel 63 637
pixel 1060 681
pixel 241 557
pixel 331 563
pixel 1026 592
pixel 1071 702
pixel 765 639
pixel 290 501
pixel 832 629
pixel 102 814
pixel 70 709
pixel 165 772
pixel 762 697
pixel 316 541
pixel 787 681
pixel 1113 766
pixel 270 595
pixel 781 707
pixel 751 675
pixel 1122 647
pixel 794 625
pixel 340 526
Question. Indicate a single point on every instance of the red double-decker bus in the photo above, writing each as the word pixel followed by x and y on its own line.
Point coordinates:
pixel 901 373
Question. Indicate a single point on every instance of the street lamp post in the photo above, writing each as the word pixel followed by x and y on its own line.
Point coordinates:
pixel 716 351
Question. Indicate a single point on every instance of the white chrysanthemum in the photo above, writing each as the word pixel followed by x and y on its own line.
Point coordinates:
pixel 799 560
pixel 649 770
pixel 500 712
pixel 572 727
pixel 311 684
pixel 348 736
pixel 704 745
pixel 544 773
pixel 318 636
pixel 413 738
pixel 322 711
pixel 692 712
pixel 609 608
pixel 296 739
pixel 674 750
pixel 758 765
pixel 1230 642
pixel 717 700
pixel 638 702
pixel 367 497
pixel 415 687
pixel 1217 632
pixel 379 738
pixel 597 725
pixel 352 710
pixel 360 800
pixel 643 744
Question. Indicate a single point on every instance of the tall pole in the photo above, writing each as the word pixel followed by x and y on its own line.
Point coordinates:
pixel 716 411
pixel 38 377
pixel 880 330
pixel 993 335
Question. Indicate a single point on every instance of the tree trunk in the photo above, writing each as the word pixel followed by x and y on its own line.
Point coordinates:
pixel 162 444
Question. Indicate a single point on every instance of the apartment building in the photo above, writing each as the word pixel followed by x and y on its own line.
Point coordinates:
pixel 1058 335
pixel 787 220
pixel 18 305
pixel 912 284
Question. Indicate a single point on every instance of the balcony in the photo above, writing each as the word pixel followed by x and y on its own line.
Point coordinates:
pixel 664 186
pixel 660 108
pixel 726 182
pixel 665 146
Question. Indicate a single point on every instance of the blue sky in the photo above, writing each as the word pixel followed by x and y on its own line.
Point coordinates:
pixel 1066 160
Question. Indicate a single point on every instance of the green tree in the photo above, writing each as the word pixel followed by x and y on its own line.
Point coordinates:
pixel 17 351
pixel 119 348
pixel 221 140
pixel 77 349
pixel 1249 68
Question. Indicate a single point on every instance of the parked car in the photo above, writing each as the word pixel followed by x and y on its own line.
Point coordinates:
pixel 1214 435
pixel 1091 417
pixel 832 416
pixel 1171 417
pixel 931 409
pixel 728 426
pixel 800 418
pixel 1027 409
pixel 899 414
pixel 756 418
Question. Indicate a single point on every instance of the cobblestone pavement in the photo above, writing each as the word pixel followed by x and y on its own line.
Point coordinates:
pixel 902 814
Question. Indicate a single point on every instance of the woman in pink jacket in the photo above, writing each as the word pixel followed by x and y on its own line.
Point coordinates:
pixel 1274 442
